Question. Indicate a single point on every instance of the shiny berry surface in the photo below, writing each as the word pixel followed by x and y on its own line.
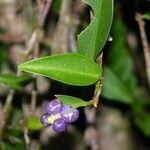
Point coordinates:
pixel 60 125
pixel 69 114
pixel 53 107
pixel 44 120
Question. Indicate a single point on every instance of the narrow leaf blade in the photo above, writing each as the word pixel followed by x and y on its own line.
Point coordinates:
pixel 147 16
pixel 119 81
pixel 73 69
pixel 33 123
pixel 13 81
pixel 73 101
pixel 142 121
pixel 93 38
pixel 114 88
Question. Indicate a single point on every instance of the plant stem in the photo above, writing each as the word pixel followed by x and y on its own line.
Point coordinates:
pixel 44 8
pixel 25 131
pixel 146 47
pixel 33 101
pixel 5 112
pixel 98 86
pixel 97 92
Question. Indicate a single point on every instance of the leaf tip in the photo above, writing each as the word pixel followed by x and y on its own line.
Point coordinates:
pixel 22 66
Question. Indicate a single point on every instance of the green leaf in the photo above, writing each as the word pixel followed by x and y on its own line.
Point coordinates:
pixel 93 38
pixel 14 82
pixel 74 69
pixel 73 101
pixel 147 16
pixel 57 6
pixel 8 146
pixel 33 123
pixel 119 80
pixel 142 121
pixel 114 88
pixel 119 57
pixel 3 56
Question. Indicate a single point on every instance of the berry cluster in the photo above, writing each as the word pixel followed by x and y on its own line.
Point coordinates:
pixel 58 115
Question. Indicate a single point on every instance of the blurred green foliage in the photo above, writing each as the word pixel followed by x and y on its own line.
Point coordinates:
pixel 147 16
pixel 57 6
pixel 2 54
pixel 33 123
pixel 15 82
pixel 120 83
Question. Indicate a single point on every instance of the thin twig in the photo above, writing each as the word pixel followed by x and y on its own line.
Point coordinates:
pixel 34 41
pixel 146 47
pixel 62 30
pixel 37 36
pixel 34 45
pixel 11 38
pixel 99 84
pixel 33 101
pixel 34 92
pixel 5 112
pixel 33 48
pixel 44 9
pixel 8 104
pixel 97 92
pixel 25 131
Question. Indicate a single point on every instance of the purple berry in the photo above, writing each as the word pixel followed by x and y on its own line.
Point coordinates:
pixel 69 114
pixel 53 107
pixel 44 120
pixel 60 125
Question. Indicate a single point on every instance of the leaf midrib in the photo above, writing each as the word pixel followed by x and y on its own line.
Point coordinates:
pixel 69 72
pixel 96 28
